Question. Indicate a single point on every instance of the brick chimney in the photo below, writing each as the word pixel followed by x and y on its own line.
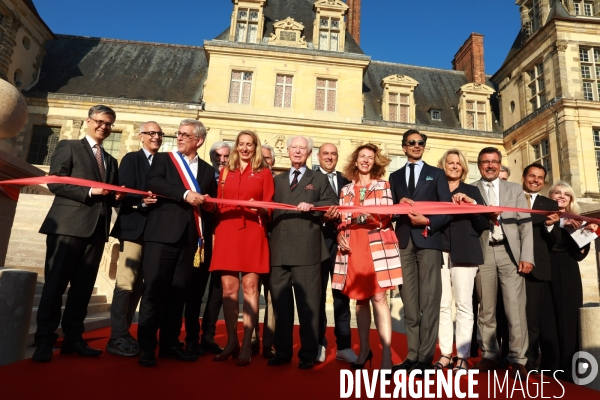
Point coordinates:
pixel 469 59
pixel 353 21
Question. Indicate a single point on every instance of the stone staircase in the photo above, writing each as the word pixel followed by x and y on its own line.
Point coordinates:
pixel 27 251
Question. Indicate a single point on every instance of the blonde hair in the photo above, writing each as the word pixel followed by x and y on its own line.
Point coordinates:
pixel 461 159
pixel 379 164
pixel 572 207
pixel 257 161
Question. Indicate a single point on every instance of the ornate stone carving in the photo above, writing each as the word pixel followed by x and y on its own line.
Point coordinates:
pixel 288 33
pixel 560 45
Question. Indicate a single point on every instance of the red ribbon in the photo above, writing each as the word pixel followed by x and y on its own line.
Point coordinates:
pixel 421 207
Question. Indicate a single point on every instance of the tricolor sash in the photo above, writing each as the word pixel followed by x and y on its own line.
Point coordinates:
pixel 190 183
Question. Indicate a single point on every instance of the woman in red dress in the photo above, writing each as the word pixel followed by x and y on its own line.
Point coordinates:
pixel 368 262
pixel 241 243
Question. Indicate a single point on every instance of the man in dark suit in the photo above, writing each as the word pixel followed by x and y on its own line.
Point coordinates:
pixel 420 250
pixel 328 158
pixel 129 228
pixel 546 232
pixel 171 241
pixel 76 229
pixel 297 250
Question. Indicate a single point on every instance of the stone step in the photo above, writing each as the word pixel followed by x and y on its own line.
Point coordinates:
pixel 23 234
pixel 95 299
pixel 20 245
pixel 92 309
pixel 39 286
pixel 14 252
pixel 34 199
pixel 93 321
pixel 24 262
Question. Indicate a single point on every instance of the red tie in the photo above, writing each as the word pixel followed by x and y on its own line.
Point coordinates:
pixel 99 161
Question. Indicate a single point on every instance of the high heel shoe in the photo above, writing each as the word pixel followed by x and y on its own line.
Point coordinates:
pixel 361 366
pixel 243 363
pixel 225 357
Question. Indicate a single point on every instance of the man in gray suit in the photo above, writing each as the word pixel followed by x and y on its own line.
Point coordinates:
pixel 297 250
pixel 508 255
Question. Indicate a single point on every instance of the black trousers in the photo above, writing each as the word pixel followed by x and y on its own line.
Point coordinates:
pixel 304 283
pixel 535 290
pixel 341 310
pixel 199 281
pixel 167 272
pixel 73 260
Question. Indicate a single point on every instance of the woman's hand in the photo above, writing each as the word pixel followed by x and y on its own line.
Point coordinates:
pixel 462 198
pixel 260 211
pixel 573 223
pixel 332 214
pixel 592 227
pixel 343 243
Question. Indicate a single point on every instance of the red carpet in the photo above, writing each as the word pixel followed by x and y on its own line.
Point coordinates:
pixel 111 377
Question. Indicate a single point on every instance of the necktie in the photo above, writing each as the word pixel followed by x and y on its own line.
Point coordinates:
pixel 150 159
pixel 99 161
pixel 411 179
pixel 493 201
pixel 332 181
pixel 294 181
pixel 528 197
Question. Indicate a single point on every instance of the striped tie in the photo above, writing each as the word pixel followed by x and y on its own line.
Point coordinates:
pixel 99 161
pixel 294 181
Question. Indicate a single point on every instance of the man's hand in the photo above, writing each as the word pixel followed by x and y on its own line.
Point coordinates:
pixel 305 207
pixel 406 200
pixel 592 227
pixel 343 243
pixel 194 198
pixel 462 198
pixel 100 192
pixel 494 216
pixel 332 214
pixel 525 267
pixel 149 199
pixel 120 195
pixel 417 219
pixel 573 223
pixel 551 219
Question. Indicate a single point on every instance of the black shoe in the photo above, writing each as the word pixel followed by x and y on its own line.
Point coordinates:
pixel 361 366
pixel 306 364
pixel 503 362
pixel 147 359
pixel 407 365
pixel 422 366
pixel 43 353
pixel 80 348
pixel 177 353
pixel 268 352
pixel 195 348
pixel 532 368
pixel 277 361
pixel 255 347
pixel 211 347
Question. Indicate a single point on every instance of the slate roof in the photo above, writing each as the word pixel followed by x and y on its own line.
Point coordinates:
pixel 437 89
pixel 81 65
pixel 301 11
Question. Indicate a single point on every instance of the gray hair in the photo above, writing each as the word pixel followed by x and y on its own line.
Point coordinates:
pixel 217 146
pixel 148 123
pixel 266 146
pixel 504 168
pixel 308 141
pixel 199 128
pixel 100 109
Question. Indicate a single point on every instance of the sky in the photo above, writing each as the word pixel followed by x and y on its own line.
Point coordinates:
pixel 424 33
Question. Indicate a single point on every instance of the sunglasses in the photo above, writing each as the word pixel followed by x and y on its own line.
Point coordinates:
pixel 413 143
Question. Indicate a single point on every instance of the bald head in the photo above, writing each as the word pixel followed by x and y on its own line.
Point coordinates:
pixel 328 157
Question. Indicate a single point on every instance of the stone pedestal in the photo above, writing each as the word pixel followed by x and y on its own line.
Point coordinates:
pixel 590 342
pixel 17 289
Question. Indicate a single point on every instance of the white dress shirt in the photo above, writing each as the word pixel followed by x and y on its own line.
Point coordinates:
pixel 193 164
pixel 498 234
pixel 418 168
pixel 532 200
pixel 334 183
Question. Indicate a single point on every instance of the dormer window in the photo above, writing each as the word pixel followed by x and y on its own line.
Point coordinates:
pixel 247 21
pixel 398 103
pixel 582 7
pixel 474 107
pixel 288 33
pixel 436 115
pixel 329 28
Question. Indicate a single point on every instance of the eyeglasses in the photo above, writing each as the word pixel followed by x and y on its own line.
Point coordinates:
pixel 488 162
pixel 413 143
pixel 101 123
pixel 152 134
pixel 185 136
pixel 301 148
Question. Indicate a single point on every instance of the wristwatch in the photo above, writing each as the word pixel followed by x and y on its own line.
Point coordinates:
pixel 361 219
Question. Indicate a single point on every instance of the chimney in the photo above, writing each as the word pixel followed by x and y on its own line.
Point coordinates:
pixel 469 59
pixel 353 20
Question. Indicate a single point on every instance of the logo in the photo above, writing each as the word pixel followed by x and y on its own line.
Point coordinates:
pixel 585 368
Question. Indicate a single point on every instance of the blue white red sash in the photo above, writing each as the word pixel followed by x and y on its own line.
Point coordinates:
pixel 190 183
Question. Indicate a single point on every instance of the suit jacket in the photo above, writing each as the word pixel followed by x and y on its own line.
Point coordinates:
pixel 73 211
pixel 543 241
pixel 330 228
pixel 133 173
pixel 168 220
pixel 296 237
pixel 516 226
pixel 462 235
pixel 431 186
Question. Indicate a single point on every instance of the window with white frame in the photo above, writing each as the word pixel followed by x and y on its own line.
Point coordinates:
pixel 169 143
pixel 247 25
pixel 534 15
pixel 537 87
pixel 583 7
pixel 589 58
pixel 283 91
pixel 541 151
pixel 397 163
pixel 597 151
pixel 329 33
pixel 474 173
pixel 399 107
pixel 112 144
pixel 326 95
pixel 241 87
pixel 476 115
